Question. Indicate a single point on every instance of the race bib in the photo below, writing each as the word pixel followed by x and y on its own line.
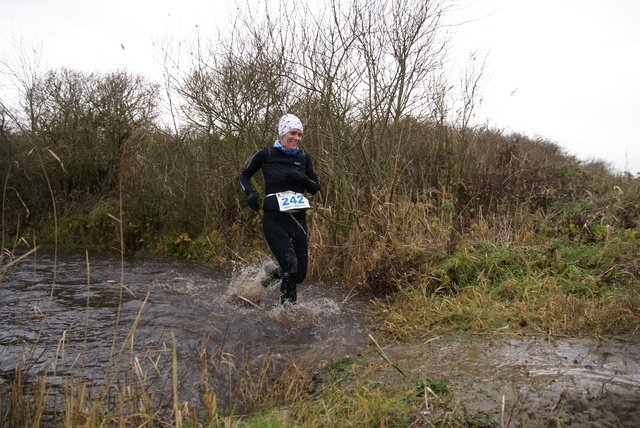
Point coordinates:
pixel 288 201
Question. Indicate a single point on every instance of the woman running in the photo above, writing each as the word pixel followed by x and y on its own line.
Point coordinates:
pixel 288 173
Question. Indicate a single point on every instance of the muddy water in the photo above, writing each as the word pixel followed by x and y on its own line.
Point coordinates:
pixel 108 323
pixel 93 317
pixel 534 381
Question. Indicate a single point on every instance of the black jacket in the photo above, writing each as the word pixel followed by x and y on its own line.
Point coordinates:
pixel 277 167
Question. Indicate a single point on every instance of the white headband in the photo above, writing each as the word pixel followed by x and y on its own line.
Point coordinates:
pixel 287 123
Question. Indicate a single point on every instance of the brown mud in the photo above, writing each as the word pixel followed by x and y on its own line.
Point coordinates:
pixel 522 381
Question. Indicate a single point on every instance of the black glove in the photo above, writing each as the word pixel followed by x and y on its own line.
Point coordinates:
pixel 252 200
pixel 298 177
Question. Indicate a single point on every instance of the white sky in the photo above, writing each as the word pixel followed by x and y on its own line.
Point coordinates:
pixel 564 70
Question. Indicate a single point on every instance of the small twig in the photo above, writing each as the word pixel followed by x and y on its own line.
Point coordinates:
pixel 431 340
pixel 111 281
pixel 174 383
pixel 251 303
pixel 4 268
pixel 382 354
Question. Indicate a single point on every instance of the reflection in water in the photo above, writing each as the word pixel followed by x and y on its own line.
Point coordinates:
pixel 105 322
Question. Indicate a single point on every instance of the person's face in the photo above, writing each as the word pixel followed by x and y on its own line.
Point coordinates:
pixel 291 139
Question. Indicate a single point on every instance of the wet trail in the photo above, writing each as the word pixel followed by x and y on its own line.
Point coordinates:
pixel 110 325
pixel 104 322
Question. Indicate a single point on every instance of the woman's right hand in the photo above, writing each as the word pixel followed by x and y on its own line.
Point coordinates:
pixel 252 200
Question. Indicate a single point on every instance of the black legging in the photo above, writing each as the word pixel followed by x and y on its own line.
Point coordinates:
pixel 286 234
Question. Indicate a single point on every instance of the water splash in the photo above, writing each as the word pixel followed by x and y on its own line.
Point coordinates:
pixel 248 283
pixel 302 315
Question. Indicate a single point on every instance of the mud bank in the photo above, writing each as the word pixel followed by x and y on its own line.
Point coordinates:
pixel 525 382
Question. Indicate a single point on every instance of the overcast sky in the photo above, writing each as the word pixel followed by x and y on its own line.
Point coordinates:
pixel 564 70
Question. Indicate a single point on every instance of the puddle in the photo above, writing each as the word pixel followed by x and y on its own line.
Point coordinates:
pixel 226 327
pixel 534 382
pixel 93 319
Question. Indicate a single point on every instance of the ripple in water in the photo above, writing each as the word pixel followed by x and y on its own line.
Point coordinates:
pixel 89 317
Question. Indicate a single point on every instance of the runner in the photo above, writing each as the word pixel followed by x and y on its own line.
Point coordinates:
pixel 288 173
